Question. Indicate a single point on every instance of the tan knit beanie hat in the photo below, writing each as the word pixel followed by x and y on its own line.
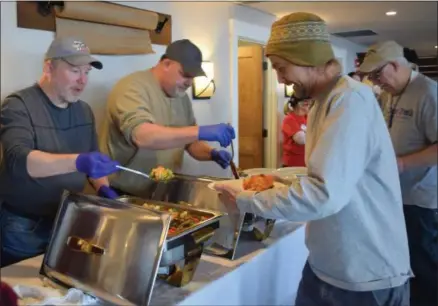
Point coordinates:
pixel 302 39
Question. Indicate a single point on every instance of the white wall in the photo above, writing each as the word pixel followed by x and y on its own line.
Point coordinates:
pixel 351 50
pixel 252 16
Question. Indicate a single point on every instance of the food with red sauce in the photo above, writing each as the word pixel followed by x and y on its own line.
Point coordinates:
pixel 181 218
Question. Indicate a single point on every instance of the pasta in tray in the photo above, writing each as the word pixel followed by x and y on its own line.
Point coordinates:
pixel 259 182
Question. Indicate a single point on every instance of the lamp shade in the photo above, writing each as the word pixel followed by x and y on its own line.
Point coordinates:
pixel 288 90
pixel 204 86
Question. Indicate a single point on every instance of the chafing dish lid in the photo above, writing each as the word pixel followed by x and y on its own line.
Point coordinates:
pixel 108 249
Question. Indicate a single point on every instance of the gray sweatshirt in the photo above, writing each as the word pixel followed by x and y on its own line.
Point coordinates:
pixel 351 198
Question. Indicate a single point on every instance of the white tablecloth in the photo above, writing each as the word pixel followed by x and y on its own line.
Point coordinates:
pixel 268 274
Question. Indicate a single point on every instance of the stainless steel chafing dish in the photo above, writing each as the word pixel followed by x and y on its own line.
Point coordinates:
pixel 114 250
pixel 195 191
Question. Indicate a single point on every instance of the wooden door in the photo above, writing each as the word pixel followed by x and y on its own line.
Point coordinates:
pixel 250 107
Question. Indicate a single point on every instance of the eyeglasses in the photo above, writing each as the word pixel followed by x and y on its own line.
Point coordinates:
pixel 375 75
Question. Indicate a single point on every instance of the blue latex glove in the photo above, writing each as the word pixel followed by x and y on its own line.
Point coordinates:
pixel 96 165
pixel 222 133
pixel 107 192
pixel 222 158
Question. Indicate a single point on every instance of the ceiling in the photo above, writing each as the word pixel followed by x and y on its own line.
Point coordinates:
pixel 414 26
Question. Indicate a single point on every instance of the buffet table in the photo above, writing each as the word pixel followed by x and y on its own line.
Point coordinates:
pixel 264 273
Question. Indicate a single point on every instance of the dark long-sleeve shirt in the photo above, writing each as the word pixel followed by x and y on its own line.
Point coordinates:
pixel 29 121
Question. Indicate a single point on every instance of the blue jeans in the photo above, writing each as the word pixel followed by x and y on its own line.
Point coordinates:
pixel 22 238
pixel 314 292
pixel 422 228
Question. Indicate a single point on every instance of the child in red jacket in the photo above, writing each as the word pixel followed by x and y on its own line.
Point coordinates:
pixel 294 132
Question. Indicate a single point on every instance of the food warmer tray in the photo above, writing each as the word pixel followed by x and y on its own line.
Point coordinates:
pixel 113 250
pixel 186 244
pixel 192 190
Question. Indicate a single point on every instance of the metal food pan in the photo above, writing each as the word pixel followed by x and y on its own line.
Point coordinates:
pixel 212 216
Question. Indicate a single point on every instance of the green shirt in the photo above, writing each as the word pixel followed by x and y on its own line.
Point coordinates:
pixel 138 98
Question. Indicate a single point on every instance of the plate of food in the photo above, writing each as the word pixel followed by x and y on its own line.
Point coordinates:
pixel 260 182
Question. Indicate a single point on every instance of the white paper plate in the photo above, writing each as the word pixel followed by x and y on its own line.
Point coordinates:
pixel 238 184
pixel 257 171
pixel 291 172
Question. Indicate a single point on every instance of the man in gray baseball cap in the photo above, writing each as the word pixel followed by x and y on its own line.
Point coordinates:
pixel 381 54
pixel 150 122
pixel 49 145
pixel 412 113
pixel 73 51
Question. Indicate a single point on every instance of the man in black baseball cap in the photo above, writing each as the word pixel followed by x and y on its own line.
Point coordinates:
pixel 188 55
pixel 150 120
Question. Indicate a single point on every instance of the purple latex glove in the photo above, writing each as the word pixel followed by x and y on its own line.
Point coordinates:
pixel 96 164
pixel 107 192
pixel 222 158
pixel 222 133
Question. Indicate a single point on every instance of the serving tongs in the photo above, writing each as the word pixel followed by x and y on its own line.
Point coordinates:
pixel 232 165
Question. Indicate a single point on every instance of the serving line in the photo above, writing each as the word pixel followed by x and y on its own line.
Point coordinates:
pixel 263 273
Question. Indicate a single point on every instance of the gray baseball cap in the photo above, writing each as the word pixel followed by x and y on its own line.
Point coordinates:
pixel 188 55
pixel 73 51
pixel 380 54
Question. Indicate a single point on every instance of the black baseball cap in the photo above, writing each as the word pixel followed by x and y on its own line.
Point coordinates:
pixel 188 55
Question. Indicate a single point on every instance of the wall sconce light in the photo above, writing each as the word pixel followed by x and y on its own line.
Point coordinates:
pixel 204 87
pixel 288 90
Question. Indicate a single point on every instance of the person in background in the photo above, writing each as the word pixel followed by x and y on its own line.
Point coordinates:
pixel 149 119
pixel 412 123
pixel 354 75
pixel 49 144
pixel 294 132
pixel 351 198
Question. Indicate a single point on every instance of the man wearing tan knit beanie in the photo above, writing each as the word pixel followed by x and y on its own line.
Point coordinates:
pixel 351 199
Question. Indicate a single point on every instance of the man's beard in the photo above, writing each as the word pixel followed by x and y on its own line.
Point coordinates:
pixel 179 93
pixel 70 98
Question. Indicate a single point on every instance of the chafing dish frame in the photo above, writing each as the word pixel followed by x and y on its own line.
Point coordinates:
pixel 186 245
pixel 164 191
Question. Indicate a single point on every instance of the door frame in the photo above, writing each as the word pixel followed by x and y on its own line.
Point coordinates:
pixel 240 30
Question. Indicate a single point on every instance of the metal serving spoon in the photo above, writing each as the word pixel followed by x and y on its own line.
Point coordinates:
pixel 134 171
